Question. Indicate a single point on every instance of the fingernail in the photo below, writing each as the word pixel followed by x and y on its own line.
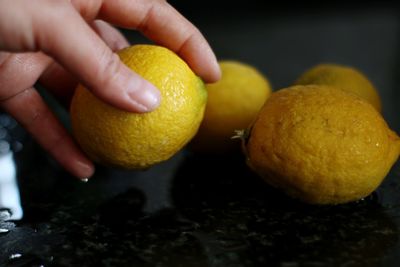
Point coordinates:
pixel 210 69
pixel 143 94
pixel 120 44
pixel 217 71
pixel 85 169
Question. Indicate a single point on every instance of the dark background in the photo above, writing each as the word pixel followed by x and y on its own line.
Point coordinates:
pixel 284 39
pixel 212 211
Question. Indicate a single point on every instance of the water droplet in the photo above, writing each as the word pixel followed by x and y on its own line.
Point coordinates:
pixel 15 256
pixel 4 231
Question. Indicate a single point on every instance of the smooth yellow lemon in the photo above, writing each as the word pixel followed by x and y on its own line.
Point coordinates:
pixel 342 77
pixel 321 145
pixel 233 103
pixel 117 138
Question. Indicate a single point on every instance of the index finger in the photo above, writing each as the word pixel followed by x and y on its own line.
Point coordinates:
pixel 163 24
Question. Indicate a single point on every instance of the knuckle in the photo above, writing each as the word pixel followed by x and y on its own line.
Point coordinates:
pixel 149 15
pixel 88 9
pixel 47 23
pixel 109 67
pixel 56 7
pixel 10 83
pixel 19 71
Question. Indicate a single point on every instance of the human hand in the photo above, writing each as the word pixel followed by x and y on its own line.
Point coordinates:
pixel 60 43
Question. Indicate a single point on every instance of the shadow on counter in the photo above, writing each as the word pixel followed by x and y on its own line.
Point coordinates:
pixel 241 220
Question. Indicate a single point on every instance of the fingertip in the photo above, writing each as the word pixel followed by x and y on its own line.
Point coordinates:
pixel 83 169
pixel 214 70
pixel 209 70
pixel 142 95
pixel 145 96
pixel 201 58
pixel 139 94
pixel 214 74
pixel 124 89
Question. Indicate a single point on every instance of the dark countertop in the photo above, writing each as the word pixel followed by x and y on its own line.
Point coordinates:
pixel 195 210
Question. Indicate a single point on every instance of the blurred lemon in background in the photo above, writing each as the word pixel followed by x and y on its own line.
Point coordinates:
pixel 321 145
pixel 233 102
pixel 342 77
pixel 117 138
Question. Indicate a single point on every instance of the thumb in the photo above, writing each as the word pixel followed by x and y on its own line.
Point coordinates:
pixel 116 84
pixel 59 30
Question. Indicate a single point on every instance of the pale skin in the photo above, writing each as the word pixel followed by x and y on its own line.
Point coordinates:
pixel 59 43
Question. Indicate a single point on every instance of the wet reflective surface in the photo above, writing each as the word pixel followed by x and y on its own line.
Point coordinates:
pixel 186 216
pixel 196 210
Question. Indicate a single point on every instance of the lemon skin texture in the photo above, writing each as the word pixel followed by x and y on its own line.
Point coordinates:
pixel 233 103
pixel 321 145
pixel 127 140
pixel 345 78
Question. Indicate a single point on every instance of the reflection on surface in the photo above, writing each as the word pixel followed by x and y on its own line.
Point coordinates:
pixel 10 203
pixel 9 192
pixel 220 214
pixel 240 219
pixel 192 210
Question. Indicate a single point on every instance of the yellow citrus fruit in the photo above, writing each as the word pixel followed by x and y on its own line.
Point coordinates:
pixel 343 77
pixel 321 145
pixel 114 137
pixel 233 103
